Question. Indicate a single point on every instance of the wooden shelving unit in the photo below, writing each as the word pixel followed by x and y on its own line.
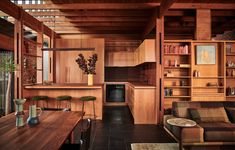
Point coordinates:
pixel 230 77
pixel 176 53
pixel 219 75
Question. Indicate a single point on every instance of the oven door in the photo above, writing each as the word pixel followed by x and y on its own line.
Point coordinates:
pixel 115 93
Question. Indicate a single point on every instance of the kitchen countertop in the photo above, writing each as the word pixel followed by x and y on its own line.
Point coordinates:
pixel 64 86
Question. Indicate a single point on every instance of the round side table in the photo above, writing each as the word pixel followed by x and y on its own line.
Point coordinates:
pixel 181 123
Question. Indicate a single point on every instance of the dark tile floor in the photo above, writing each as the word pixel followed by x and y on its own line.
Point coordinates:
pixel 116 131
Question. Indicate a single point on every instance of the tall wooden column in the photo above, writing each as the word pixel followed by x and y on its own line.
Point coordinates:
pixel 203 24
pixel 39 53
pixel 52 57
pixel 18 48
pixel 159 54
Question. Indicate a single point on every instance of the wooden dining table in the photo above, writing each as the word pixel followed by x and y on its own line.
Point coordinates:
pixel 50 134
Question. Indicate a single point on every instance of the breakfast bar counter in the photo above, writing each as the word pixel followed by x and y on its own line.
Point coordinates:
pixel 76 90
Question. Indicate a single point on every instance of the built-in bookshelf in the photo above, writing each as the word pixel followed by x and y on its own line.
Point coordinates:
pixel 187 78
pixel 230 70
pixel 177 72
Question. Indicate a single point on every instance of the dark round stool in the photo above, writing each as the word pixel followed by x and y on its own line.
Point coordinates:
pixel 86 99
pixel 66 98
pixel 40 98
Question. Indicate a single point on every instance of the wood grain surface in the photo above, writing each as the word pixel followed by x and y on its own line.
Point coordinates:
pixel 54 128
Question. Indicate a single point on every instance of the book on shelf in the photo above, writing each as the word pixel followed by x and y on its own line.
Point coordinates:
pixel 176 49
pixel 184 65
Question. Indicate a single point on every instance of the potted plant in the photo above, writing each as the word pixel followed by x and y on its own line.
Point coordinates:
pixel 87 66
pixel 7 67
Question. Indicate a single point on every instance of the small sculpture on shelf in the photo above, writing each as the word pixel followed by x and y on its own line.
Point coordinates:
pixel 168 92
pixel 197 73
pixel 169 74
pixel 230 91
pixel 230 64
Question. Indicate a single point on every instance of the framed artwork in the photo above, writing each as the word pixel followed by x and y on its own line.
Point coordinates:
pixel 205 54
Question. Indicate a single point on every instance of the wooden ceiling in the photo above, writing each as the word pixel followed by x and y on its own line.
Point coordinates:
pixel 132 19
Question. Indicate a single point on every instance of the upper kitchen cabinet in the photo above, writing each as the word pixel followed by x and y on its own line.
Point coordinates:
pixel 146 52
pixel 119 59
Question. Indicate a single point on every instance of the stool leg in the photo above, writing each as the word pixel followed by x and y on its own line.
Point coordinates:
pixel 82 109
pixel 94 110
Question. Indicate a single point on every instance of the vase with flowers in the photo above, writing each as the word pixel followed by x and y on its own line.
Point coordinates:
pixel 87 66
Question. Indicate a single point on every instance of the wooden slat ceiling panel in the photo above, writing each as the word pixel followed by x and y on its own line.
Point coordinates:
pixel 104 1
pixel 138 1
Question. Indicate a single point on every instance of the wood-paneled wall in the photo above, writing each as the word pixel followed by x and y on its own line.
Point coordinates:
pixel 67 70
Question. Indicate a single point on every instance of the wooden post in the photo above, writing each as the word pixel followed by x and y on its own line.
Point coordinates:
pixel 18 48
pixel 203 24
pixel 39 53
pixel 159 54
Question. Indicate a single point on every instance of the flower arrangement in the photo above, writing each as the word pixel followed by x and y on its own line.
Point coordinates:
pixel 87 66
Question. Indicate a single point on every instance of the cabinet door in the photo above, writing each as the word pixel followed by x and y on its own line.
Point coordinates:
pixel 120 59
pixel 149 51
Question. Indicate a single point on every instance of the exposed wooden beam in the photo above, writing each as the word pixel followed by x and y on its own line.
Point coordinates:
pixel 9 8
pixel 94 28
pixel 107 13
pixel 88 6
pixel 203 6
pixel 164 6
pixel 222 13
pixel 16 12
pixel 95 24
pixel 99 32
pixel 151 23
pixel 94 19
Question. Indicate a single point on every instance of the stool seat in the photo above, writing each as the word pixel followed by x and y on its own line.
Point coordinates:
pixel 66 98
pixel 38 98
pixel 88 98
pixel 63 98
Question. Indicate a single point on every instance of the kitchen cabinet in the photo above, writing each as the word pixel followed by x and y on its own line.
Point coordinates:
pixel 146 52
pixel 142 103
pixel 119 59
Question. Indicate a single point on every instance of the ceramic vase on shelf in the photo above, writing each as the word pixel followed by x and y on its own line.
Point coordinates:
pixel 19 113
pixel 90 79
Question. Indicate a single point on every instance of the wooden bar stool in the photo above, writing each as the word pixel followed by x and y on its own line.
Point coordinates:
pixel 64 98
pixel 40 98
pixel 86 99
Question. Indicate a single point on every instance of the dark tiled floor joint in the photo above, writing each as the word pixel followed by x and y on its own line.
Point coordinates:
pixel 116 131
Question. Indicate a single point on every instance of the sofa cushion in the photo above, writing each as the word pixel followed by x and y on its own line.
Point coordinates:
pixel 231 113
pixel 208 114
pixel 180 109
pixel 218 132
